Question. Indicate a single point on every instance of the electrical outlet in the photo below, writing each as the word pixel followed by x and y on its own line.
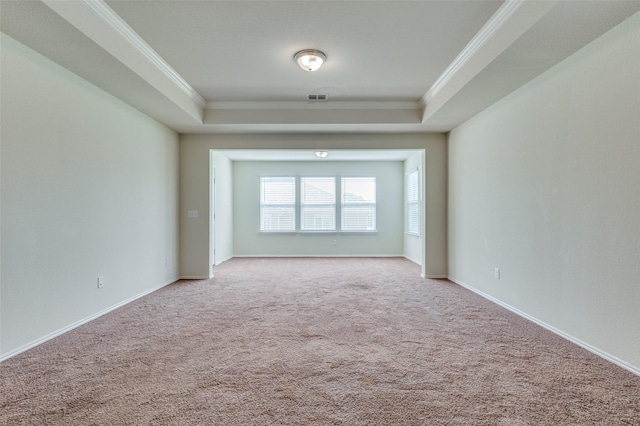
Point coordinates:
pixel 496 273
pixel 335 242
pixel 192 213
pixel 166 262
pixel 100 281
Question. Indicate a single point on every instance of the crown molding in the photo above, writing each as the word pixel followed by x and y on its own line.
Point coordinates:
pixel 100 24
pixel 127 33
pixel 329 105
pixel 502 30
pixel 492 26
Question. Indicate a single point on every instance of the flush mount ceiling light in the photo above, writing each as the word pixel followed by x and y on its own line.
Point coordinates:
pixel 321 154
pixel 310 59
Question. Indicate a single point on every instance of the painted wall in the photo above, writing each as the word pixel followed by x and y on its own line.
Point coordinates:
pixel 545 185
pixel 224 207
pixel 413 245
pixel 89 188
pixel 387 241
pixel 194 186
pixel 434 181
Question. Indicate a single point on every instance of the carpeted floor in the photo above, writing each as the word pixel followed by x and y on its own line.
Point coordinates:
pixel 314 342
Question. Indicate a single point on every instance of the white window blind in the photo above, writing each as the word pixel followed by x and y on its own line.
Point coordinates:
pixel 413 203
pixel 358 204
pixel 277 204
pixel 318 203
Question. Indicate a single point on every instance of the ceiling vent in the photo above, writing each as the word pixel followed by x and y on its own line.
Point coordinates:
pixel 317 98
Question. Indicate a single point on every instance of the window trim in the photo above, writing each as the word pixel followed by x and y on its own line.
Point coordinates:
pixel 410 202
pixel 333 205
pixel 338 203
pixel 374 204
pixel 294 205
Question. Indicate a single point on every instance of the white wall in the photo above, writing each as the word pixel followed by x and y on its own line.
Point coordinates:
pixel 413 244
pixel 224 207
pixel 194 185
pixel 545 184
pixel 387 241
pixel 89 187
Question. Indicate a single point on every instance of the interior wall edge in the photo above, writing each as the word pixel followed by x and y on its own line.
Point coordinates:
pixel 194 187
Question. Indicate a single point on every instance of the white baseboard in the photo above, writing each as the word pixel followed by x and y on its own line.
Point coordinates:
pixel 437 277
pixel 194 277
pixel 223 260
pixel 318 255
pixel 83 321
pixel 590 348
pixel 413 260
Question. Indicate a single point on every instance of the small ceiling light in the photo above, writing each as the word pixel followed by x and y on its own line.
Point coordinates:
pixel 321 154
pixel 310 59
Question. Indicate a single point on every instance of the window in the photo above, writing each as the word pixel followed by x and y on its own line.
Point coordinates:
pixel 318 203
pixel 413 202
pixel 358 204
pixel 277 204
pixel 313 208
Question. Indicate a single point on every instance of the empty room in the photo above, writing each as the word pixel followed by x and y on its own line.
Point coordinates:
pixel 320 212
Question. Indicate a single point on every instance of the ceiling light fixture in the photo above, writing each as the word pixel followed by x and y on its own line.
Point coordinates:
pixel 310 59
pixel 321 154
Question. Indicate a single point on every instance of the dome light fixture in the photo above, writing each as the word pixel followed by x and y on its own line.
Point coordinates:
pixel 310 59
pixel 321 154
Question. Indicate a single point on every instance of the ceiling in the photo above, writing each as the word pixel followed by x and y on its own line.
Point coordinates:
pixel 227 66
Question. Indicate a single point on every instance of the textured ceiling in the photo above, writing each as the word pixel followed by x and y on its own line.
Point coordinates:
pixel 226 66
pixel 232 51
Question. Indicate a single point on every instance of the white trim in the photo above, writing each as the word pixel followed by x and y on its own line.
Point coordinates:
pixel 502 16
pixel 196 277
pixel 121 27
pixel 590 348
pixel 83 321
pixel 414 261
pixel 437 277
pixel 223 260
pixel 318 255
pixel 279 105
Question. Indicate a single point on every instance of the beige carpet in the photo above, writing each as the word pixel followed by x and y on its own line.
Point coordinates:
pixel 314 342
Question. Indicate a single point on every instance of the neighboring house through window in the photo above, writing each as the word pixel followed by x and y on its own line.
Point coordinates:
pixel 318 203
pixel 278 204
pixel 317 210
pixel 358 204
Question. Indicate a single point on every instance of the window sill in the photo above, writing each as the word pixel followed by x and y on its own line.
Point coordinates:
pixel 358 232
pixel 318 232
pixel 277 232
